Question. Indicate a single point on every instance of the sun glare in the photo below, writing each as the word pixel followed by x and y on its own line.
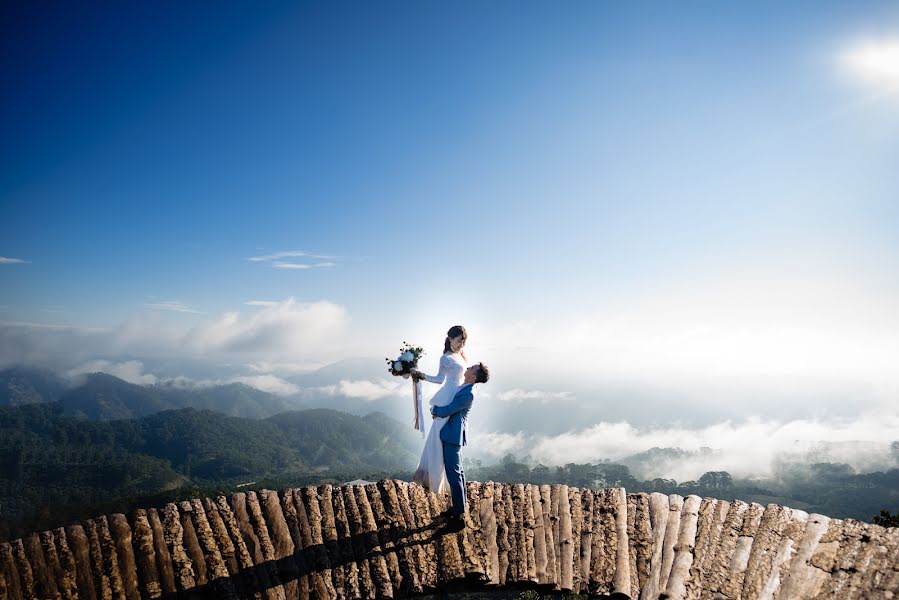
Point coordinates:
pixel 875 61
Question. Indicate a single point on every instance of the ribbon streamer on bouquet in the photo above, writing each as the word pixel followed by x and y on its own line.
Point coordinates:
pixel 418 406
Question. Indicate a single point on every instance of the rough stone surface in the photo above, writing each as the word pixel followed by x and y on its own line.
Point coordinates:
pixel 80 547
pixel 163 556
pixel 185 578
pixel 676 588
pixel 658 526
pixel 121 533
pixel 385 540
pixel 145 555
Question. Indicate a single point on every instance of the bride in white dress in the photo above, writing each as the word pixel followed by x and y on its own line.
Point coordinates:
pixel 430 472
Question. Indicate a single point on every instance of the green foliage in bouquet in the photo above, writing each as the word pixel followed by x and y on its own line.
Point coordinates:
pixel 406 361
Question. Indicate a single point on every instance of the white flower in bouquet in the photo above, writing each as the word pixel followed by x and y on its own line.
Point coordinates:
pixel 407 358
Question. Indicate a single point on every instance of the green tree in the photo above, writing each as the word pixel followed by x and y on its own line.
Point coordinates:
pixel 718 481
pixel 886 519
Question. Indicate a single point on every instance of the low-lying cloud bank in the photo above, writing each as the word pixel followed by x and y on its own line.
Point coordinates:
pixel 133 371
pixel 753 448
pixel 301 331
pixel 361 389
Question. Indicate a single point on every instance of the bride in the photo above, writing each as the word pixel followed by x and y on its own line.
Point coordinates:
pixel 431 473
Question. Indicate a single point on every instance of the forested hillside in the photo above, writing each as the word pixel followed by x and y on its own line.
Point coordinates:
pixel 54 464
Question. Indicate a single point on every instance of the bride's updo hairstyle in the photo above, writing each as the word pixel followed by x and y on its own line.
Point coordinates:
pixel 455 331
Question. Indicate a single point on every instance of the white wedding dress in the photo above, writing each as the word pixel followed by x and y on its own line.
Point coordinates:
pixel 431 473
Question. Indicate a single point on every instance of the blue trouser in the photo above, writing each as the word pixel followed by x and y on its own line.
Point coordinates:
pixel 455 476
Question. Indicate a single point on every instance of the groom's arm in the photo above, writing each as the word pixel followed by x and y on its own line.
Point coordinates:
pixel 460 402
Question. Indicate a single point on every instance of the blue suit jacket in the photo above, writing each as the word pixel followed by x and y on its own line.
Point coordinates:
pixel 453 431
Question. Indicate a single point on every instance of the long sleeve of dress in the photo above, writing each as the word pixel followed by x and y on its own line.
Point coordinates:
pixel 441 374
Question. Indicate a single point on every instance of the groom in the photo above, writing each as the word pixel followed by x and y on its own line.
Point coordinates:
pixel 453 438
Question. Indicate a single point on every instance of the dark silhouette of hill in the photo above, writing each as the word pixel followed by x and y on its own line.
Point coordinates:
pixel 103 397
pixel 20 385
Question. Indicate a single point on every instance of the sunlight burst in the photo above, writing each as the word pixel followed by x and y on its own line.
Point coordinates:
pixel 875 61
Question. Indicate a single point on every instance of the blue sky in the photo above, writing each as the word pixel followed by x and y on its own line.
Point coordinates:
pixel 660 194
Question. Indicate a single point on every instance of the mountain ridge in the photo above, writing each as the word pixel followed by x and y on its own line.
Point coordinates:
pixel 101 396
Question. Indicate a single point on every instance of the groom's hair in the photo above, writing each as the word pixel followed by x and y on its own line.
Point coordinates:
pixel 483 373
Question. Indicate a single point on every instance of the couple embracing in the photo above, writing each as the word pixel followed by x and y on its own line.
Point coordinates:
pixel 440 468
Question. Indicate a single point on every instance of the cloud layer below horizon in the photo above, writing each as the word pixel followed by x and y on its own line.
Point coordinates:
pixel 752 448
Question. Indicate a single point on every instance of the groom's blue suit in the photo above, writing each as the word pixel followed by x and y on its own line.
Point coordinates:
pixel 453 437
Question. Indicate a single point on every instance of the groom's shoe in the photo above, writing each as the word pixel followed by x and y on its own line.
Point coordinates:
pixel 455 524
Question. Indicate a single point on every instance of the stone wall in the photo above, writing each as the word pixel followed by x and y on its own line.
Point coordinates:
pixel 383 541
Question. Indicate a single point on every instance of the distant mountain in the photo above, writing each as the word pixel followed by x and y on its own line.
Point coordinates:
pixel 322 388
pixel 233 399
pixel 103 397
pixel 21 385
pixel 348 368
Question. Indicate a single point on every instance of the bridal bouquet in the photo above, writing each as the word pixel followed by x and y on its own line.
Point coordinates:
pixel 402 367
pixel 407 360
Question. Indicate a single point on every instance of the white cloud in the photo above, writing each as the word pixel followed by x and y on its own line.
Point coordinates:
pixel 518 396
pixel 760 325
pixel 287 254
pixel 267 383
pixel 288 328
pixel 277 262
pixel 4 260
pixel 172 305
pixel 749 448
pixel 360 389
pixel 53 346
pixel 131 371
pixel 496 445
pixel 290 265
pixel 285 368
pixel 367 390
pixel 302 333
pixel 261 303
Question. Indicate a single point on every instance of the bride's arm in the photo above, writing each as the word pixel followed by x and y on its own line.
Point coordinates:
pixel 441 374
